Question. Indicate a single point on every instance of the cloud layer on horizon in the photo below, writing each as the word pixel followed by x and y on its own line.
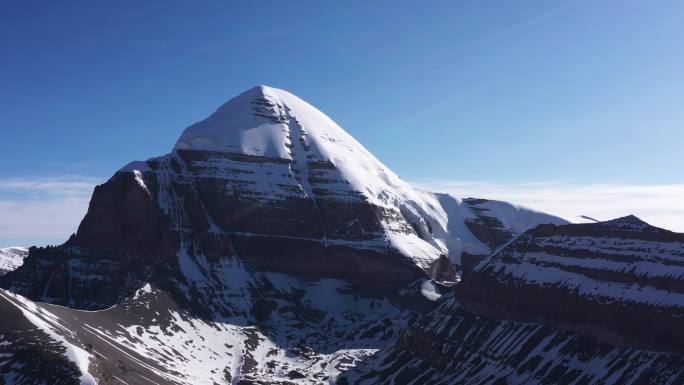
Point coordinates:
pixel 659 205
pixel 42 210
pixel 46 210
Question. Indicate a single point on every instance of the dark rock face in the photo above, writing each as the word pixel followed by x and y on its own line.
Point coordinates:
pixel 123 215
pixel 54 274
pixel 121 242
pixel 119 245
pixel 469 261
pixel 442 270
pixel 614 280
pixel 488 229
pixel 229 205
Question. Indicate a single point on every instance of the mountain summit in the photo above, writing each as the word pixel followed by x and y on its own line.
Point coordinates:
pixel 268 164
pixel 266 121
pixel 268 246
pixel 271 182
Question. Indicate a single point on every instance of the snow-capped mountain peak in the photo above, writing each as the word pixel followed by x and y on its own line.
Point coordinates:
pixel 270 122
pixel 252 123
pixel 273 124
pixel 268 144
pixel 272 181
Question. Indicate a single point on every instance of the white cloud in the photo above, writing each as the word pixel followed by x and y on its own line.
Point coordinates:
pixel 42 210
pixel 660 205
pixel 65 186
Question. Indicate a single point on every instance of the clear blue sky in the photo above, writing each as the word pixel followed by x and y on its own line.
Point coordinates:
pixel 504 91
pixel 507 91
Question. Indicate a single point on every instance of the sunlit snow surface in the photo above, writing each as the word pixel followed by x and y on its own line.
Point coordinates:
pixel 274 124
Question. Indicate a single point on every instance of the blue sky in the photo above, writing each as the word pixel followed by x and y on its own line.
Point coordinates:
pixel 505 96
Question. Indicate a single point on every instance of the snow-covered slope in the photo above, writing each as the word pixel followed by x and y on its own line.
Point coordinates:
pixel 303 149
pixel 320 156
pixel 11 258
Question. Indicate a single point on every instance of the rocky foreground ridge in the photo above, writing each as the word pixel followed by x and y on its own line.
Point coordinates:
pixel 621 281
pixel 270 247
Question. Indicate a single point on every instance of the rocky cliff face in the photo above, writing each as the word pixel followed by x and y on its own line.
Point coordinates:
pixel 614 280
pixel 272 181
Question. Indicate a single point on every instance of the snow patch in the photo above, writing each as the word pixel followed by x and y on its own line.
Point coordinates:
pixel 142 291
pixel 429 291
pixel 141 182
pixel 11 258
